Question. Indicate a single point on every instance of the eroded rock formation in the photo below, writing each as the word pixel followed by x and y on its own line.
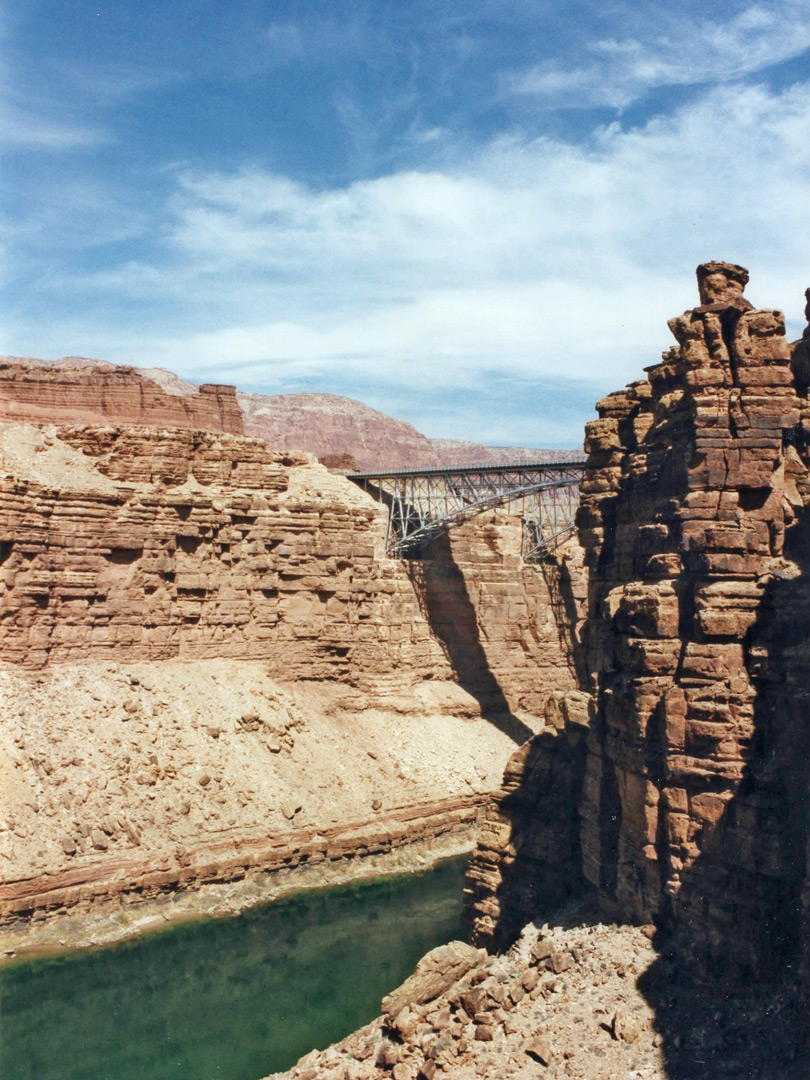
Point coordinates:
pixel 694 797
pixel 88 392
pixel 209 664
pixel 694 477
pixel 342 433
pixel 329 426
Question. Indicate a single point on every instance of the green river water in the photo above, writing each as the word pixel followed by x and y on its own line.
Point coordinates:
pixel 225 999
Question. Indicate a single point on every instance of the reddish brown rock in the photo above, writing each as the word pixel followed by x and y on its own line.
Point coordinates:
pixel 88 392
pixel 346 434
pixel 330 427
pixel 435 973
pixel 170 543
pixel 682 529
pixel 169 547
pixel 694 794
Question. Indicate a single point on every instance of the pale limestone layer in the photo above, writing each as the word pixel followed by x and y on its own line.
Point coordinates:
pixel 199 770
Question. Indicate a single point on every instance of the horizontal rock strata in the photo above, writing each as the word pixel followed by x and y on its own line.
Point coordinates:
pixel 694 478
pixel 37 392
pixel 146 572
pixel 229 858
pixel 694 794
pixel 675 779
pixel 143 544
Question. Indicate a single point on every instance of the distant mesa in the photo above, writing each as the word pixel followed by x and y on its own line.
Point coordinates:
pixel 342 433
pixel 80 390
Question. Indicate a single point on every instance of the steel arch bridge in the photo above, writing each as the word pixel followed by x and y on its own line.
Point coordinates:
pixel 423 503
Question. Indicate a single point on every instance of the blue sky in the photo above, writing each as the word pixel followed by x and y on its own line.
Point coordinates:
pixel 476 216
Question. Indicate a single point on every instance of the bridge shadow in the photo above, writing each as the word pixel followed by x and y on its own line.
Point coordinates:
pixel 442 592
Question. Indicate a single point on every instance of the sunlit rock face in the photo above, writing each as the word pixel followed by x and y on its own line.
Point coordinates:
pixel 690 805
pixel 209 664
pixel 79 390
pixel 692 517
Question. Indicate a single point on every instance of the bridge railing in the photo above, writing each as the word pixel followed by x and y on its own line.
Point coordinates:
pixel 423 503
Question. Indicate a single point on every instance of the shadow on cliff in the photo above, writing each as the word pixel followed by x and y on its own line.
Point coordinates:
pixel 538 868
pixel 725 986
pixel 442 591
pixel 727 998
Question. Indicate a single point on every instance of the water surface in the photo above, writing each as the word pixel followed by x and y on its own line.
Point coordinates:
pixel 225 999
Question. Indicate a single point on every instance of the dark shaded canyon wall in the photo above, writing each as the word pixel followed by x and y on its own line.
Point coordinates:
pixel 691 484
pixel 528 857
pixel 112 394
pixel 694 784
pixel 134 543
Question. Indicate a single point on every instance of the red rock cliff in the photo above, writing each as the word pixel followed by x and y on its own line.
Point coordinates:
pixel 694 796
pixel 94 393
pixel 177 607
pixel 693 480
pixel 136 543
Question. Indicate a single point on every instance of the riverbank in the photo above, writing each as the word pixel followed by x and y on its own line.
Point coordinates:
pixel 126 783
pixel 412 841
pixel 575 999
pixel 225 997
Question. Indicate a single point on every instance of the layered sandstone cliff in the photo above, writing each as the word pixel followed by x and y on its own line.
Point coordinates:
pixel 209 664
pixel 329 426
pixel 674 780
pixel 695 796
pixel 692 807
pixel 343 433
pixel 76 390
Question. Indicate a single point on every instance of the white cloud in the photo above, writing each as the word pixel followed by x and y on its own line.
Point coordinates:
pixel 285 42
pixel 20 127
pixel 676 51
pixel 530 259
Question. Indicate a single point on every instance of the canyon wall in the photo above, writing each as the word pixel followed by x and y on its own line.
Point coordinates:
pixel 88 392
pixel 329 426
pixel 693 798
pixel 136 544
pixel 209 664
pixel 343 433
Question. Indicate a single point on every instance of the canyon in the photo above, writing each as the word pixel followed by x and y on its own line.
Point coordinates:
pixel 212 672
pixel 341 432
pixel 669 789
pixel 197 626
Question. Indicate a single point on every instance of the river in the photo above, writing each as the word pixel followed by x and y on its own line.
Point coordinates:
pixel 225 999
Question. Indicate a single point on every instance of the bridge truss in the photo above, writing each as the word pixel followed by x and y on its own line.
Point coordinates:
pixel 423 503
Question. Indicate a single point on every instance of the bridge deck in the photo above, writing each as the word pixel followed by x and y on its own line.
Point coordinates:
pixel 455 470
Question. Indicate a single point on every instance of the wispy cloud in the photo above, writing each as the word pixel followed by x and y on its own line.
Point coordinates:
pixel 33 117
pixel 468 264
pixel 675 51
pixel 67 107
pixel 533 259
pixel 26 129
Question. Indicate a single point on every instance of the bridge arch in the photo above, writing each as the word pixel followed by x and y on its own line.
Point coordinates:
pixel 424 503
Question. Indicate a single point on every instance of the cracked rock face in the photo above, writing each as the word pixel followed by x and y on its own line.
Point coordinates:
pixel 677 775
pixel 692 515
